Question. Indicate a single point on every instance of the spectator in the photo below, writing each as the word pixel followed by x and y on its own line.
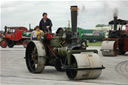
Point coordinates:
pixel 36 33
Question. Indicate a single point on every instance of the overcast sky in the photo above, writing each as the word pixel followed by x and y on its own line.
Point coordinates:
pixel 91 12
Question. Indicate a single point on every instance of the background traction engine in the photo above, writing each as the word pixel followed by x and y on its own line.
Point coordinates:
pixel 65 52
pixel 117 41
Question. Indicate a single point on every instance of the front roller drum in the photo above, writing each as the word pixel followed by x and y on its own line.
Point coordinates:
pixel 85 66
pixel 109 48
pixel 34 61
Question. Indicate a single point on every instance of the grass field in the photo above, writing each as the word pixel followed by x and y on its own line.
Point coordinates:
pixel 98 43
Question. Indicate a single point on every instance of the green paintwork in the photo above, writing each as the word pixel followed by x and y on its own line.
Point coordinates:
pixel 93 35
pixel 26 34
pixel 79 30
pixel 89 34
pixel 1 38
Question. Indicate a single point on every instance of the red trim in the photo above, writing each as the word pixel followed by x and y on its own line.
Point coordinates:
pixel 51 50
pixel 48 36
pixel 126 44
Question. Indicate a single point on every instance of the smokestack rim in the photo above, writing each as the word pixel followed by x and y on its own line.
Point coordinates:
pixel 74 8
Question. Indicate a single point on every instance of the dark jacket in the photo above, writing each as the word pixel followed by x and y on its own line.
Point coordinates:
pixel 43 25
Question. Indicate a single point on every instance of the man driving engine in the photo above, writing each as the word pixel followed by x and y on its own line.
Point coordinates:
pixel 45 24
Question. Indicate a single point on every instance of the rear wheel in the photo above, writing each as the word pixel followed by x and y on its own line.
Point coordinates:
pixel 10 44
pixel 3 43
pixel 35 63
pixel 121 48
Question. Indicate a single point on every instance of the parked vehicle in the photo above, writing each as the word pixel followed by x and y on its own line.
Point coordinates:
pixel 13 36
pixel 93 35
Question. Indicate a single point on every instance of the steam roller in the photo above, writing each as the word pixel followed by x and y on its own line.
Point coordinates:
pixel 65 51
pixel 117 41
